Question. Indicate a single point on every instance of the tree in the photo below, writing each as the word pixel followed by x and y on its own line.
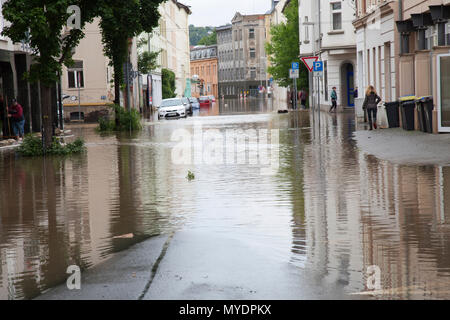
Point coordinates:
pixel 284 49
pixel 121 20
pixel 147 62
pixel 168 84
pixel 197 33
pixel 41 23
pixel 209 40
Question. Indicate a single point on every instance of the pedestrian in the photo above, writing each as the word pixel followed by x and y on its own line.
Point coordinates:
pixel 371 105
pixel 333 99
pixel 355 93
pixel 15 113
pixel 302 97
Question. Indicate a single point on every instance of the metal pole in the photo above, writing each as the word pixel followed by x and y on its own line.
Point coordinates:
pixel 61 118
pixel 79 95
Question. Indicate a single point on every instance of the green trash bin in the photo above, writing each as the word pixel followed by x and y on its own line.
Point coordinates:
pixel 407 106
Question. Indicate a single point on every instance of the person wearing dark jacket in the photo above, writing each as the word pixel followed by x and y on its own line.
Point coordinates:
pixel 371 105
pixel 15 112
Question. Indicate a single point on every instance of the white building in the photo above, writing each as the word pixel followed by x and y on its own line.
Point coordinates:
pixel 171 38
pixel 336 47
pixel 376 50
pixel 277 17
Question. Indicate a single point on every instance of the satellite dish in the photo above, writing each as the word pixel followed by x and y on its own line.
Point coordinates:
pixel 73 98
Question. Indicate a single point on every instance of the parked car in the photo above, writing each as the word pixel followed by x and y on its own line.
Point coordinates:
pixel 172 108
pixel 205 101
pixel 195 103
pixel 188 105
pixel 212 98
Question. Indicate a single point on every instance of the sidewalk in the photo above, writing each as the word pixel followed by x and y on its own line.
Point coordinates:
pixel 198 265
pixel 405 147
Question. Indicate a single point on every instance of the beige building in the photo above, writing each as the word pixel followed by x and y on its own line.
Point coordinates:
pixel 424 64
pixel 242 55
pixel 89 82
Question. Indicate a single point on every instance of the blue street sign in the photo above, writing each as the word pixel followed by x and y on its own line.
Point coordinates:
pixel 295 65
pixel 318 66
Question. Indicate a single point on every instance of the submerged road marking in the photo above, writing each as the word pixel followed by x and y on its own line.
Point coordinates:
pixel 156 265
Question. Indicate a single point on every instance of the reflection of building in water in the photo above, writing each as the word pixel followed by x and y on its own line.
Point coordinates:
pixel 53 213
pixel 332 206
pixel 403 227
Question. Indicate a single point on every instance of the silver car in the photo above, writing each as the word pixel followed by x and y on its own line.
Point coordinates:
pixel 172 108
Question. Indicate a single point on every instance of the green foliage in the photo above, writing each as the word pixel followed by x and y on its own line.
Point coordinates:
pixel 32 147
pixel 209 40
pixel 190 176
pixel 125 120
pixel 168 84
pixel 197 33
pixel 283 49
pixel 147 62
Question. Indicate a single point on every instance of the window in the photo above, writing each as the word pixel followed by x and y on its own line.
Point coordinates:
pixel 336 12
pixel 251 33
pixel 75 75
pixel 240 34
pixel 252 53
pixel 306 30
pixel 253 73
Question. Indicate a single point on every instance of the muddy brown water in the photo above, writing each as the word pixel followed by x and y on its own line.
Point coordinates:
pixel 330 208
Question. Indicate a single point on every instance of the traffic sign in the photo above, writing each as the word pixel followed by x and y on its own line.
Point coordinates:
pixel 318 66
pixel 294 73
pixel 309 62
pixel 295 66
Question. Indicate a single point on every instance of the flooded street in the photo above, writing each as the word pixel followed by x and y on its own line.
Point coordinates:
pixel 329 212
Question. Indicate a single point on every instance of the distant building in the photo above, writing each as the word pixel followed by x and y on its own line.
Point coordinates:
pixel 204 64
pixel 242 56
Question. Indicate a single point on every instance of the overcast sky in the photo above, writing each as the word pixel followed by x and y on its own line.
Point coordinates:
pixel 219 12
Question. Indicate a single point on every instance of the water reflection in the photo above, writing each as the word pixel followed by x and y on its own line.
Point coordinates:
pixel 331 211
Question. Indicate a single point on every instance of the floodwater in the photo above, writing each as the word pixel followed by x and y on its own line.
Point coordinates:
pixel 330 209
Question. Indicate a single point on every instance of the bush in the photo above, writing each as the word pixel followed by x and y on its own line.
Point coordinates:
pixel 32 147
pixel 124 120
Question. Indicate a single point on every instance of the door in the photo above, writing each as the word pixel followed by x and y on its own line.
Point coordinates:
pixel 443 103
pixel 350 86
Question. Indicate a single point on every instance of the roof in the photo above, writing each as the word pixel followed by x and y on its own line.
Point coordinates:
pixel 183 6
pixel 225 27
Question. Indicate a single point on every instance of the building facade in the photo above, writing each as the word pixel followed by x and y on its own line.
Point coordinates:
pixel 204 67
pixel 15 60
pixel 330 35
pixel 89 83
pixel 377 51
pixel 424 62
pixel 242 56
pixel 276 17
pixel 171 40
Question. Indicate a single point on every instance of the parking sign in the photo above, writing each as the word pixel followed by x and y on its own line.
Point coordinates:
pixel 318 66
pixel 295 66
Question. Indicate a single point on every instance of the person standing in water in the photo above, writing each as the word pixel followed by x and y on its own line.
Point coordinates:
pixel 371 105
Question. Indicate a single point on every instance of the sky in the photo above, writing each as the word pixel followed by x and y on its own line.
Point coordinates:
pixel 220 12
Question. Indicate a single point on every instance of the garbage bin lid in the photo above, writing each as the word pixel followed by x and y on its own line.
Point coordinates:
pixel 425 98
pixel 407 98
